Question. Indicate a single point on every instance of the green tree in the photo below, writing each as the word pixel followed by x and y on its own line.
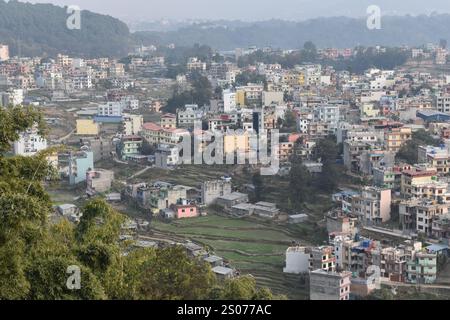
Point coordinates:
pixel 258 183
pixel 172 275
pixel 409 151
pixel 299 183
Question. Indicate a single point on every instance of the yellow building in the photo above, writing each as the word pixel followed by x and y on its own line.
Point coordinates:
pixel 397 137
pixel 235 142
pixel 369 110
pixel 87 127
pixel 240 98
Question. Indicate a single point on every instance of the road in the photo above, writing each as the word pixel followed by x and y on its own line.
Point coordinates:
pixel 67 136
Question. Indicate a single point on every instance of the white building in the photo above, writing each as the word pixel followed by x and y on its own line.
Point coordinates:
pixel 328 114
pixel 111 109
pixel 4 52
pixel 29 143
pixel 15 97
pixel 297 260
pixel 186 117
pixel 229 101
pixel 167 156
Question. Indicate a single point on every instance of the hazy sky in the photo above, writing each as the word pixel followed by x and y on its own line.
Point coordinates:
pixel 249 9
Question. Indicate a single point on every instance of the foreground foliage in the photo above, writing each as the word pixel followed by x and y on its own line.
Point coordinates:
pixel 35 254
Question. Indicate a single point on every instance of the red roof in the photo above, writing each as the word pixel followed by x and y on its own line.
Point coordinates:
pixel 152 126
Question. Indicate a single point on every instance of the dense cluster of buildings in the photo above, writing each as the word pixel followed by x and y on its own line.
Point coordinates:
pixel 372 115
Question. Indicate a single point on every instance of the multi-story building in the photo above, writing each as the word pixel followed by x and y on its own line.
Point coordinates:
pixel 436 157
pixel 155 134
pixel 442 102
pixel 130 146
pixel 373 206
pixel 29 143
pixel 187 116
pixel 168 121
pixel 297 260
pixel 352 152
pixel 329 285
pixel 79 164
pixel 387 177
pixel 441 227
pixel 211 190
pixel 422 183
pixel 229 101
pixel 328 114
pixel 322 258
pixel 132 124
pixel 111 109
pixel 167 156
pixel 396 137
pixel 422 269
pixel 195 64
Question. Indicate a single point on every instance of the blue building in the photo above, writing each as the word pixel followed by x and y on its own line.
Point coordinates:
pixel 433 116
pixel 79 163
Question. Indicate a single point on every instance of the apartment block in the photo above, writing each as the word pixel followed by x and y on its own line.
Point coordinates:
pixel 373 205
pixel 329 285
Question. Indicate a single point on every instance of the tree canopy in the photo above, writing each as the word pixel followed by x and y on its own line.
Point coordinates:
pixel 36 253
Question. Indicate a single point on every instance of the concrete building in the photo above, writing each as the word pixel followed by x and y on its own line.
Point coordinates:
pixel 183 209
pixel 29 143
pixel 371 159
pixel 395 138
pixel 442 102
pixel 79 164
pixel 328 114
pixel 423 183
pixel 98 181
pixel 167 156
pixel 339 222
pixel 102 148
pixel 373 205
pixel 4 52
pixel 212 190
pixel 229 101
pixel 272 98
pixel 329 285
pixel 232 199
pixel 168 121
pixel 297 260
pixel 187 116
pixel 352 152
pixel 322 258
pixel 422 269
pixel 130 146
pixel 132 124
pixel 418 215
pixel 111 109
pixel 436 157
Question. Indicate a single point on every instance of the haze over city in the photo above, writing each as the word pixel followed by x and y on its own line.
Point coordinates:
pixel 250 9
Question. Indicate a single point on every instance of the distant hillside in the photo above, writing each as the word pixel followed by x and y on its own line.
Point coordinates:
pixel 324 32
pixel 39 29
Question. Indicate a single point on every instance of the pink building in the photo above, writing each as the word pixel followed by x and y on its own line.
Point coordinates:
pixel 185 211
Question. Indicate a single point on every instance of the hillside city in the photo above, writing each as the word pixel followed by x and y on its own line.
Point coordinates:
pixel 357 207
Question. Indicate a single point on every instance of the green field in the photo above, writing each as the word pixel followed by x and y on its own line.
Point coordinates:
pixel 251 246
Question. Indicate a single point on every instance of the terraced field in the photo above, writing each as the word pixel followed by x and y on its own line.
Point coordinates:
pixel 253 247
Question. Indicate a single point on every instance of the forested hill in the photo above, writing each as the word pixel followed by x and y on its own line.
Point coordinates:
pixel 40 29
pixel 324 32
